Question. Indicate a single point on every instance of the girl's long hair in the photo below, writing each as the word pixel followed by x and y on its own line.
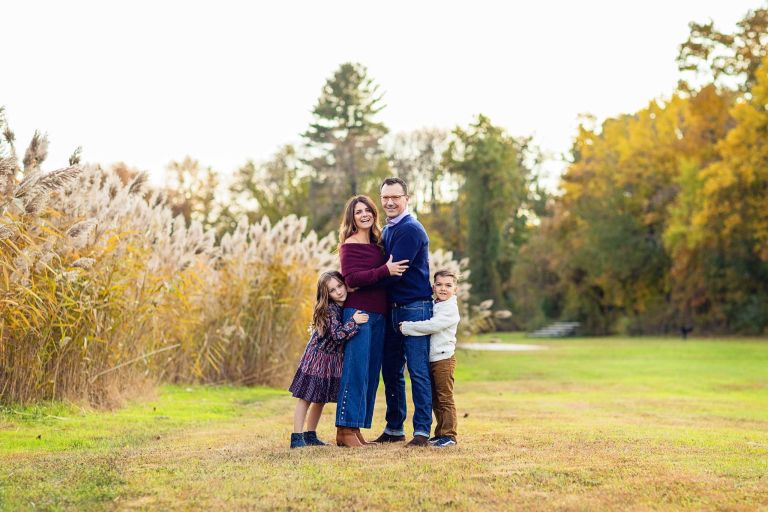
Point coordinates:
pixel 348 228
pixel 322 311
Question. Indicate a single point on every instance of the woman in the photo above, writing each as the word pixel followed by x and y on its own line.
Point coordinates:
pixel 362 264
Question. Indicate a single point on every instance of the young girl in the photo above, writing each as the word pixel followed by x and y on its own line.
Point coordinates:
pixel 317 379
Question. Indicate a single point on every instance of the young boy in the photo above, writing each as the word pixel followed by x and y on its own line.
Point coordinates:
pixel 442 326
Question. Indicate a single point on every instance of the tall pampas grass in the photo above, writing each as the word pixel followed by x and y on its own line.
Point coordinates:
pixel 108 290
pixel 103 290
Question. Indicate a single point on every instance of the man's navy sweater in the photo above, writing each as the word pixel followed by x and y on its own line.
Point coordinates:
pixel 407 240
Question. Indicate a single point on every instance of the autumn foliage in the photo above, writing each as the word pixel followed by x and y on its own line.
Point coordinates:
pixel 661 224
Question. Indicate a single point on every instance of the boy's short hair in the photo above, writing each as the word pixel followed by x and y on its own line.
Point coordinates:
pixel 447 273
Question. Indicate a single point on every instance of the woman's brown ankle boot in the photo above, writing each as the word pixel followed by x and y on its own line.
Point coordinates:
pixel 346 437
pixel 360 437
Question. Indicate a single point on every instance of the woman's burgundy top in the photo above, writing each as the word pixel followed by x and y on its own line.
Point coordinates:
pixel 363 265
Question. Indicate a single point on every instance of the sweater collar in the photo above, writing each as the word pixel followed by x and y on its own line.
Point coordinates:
pixel 452 299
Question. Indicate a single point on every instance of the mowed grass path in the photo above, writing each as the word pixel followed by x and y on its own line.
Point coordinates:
pixel 588 424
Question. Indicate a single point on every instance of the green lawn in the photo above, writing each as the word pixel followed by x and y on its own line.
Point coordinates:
pixel 587 424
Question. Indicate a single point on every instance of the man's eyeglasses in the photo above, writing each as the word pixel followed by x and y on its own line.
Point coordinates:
pixel 386 199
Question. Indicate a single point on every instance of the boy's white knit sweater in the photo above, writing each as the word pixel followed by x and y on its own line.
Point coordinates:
pixel 442 326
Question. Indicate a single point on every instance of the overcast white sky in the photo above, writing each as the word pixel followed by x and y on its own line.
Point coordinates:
pixel 147 82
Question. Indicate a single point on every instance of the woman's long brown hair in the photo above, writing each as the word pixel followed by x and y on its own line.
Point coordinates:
pixel 323 305
pixel 348 228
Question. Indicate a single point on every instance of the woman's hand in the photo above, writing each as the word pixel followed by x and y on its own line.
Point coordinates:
pixel 359 317
pixel 396 268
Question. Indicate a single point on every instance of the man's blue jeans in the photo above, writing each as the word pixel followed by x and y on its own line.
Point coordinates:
pixel 360 372
pixel 413 350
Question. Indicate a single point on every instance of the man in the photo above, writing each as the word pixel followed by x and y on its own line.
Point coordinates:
pixel 410 297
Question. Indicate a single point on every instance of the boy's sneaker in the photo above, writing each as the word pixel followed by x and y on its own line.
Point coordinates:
pixel 442 442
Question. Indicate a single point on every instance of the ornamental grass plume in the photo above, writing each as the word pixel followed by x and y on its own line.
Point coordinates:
pixel 36 153
pixel 7 172
pixel 39 182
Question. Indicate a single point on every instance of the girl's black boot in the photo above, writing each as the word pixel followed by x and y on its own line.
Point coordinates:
pixel 297 441
pixel 311 439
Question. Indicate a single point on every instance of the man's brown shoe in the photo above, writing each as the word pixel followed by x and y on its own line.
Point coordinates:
pixel 388 438
pixel 417 442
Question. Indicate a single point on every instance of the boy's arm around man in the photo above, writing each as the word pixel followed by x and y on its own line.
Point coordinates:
pixel 445 316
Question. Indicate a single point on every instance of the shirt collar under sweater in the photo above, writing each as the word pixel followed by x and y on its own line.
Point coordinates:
pixel 395 220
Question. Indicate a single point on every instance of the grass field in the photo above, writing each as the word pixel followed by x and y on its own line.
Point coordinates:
pixel 587 424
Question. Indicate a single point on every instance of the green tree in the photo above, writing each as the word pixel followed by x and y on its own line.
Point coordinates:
pixel 496 186
pixel 344 143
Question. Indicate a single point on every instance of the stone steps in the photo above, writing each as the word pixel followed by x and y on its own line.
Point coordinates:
pixel 556 330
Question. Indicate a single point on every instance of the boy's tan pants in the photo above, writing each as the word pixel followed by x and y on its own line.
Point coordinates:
pixel 442 397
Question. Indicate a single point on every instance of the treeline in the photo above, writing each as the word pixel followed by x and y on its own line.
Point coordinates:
pixel 658 224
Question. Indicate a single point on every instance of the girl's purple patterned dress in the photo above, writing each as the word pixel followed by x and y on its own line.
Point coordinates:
pixel 319 374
